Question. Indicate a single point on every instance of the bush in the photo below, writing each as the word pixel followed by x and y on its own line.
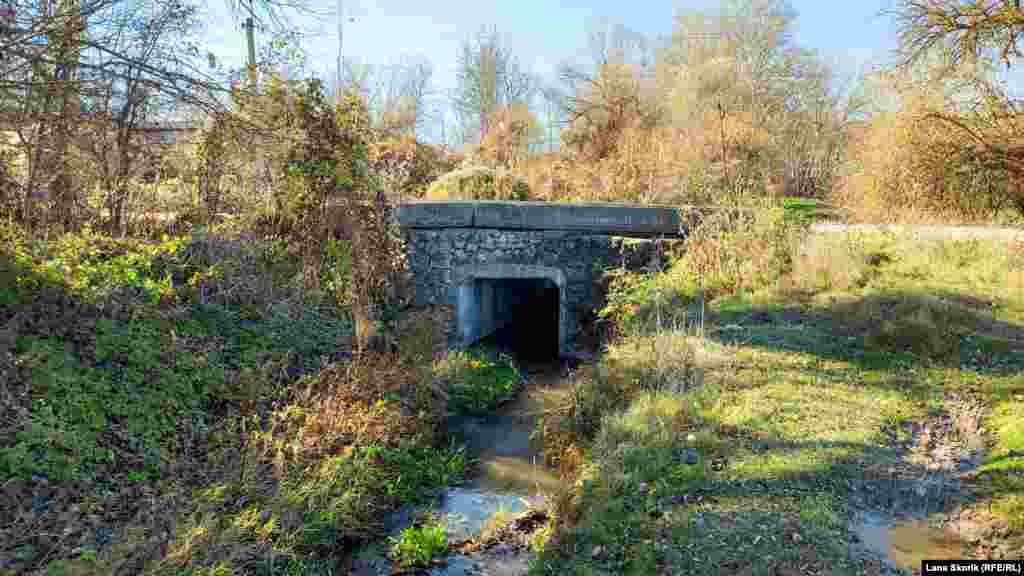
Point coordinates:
pixel 834 262
pixel 740 250
pixel 407 167
pixel 906 166
pixel 638 302
pixel 479 183
pixel 574 421
pixel 116 340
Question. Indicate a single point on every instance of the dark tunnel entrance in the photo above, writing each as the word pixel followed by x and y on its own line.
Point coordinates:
pixel 519 315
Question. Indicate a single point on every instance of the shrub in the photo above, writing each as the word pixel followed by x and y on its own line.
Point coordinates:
pixel 576 418
pixel 638 302
pixel 479 183
pixel 341 498
pixel 664 360
pixel 921 324
pixel 407 167
pixel 116 340
pixel 373 400
pixel 833 262
pixel 907 166
pixel 740 250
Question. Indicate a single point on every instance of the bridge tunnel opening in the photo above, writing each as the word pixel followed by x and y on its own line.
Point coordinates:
pixel 517 315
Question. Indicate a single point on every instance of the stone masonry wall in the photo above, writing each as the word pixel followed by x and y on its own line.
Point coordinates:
pixel 438 257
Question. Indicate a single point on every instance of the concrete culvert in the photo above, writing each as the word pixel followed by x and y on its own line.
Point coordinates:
pixel 524 315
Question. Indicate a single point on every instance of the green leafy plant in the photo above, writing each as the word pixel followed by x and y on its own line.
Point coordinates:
pixel 419 546
pixel 477 384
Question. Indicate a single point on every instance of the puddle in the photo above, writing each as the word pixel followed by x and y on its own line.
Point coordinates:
pixel 904 544
pixel 921 511
pixel 512 564
pixel 466 511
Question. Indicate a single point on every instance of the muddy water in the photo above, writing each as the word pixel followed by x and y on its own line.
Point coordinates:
pixel 914 515
pixel 905 543
pixel 511 478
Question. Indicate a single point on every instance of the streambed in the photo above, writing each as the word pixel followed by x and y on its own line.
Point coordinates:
pixel 511 480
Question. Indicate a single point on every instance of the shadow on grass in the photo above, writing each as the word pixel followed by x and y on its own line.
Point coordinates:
pixel 726 510
pixel 884 330
pixel 767 473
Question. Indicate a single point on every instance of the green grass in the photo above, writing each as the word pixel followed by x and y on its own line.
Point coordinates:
pixel 806 381
pixel 807 210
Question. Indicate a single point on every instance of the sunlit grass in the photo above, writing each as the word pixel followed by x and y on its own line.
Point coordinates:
pixel 866 332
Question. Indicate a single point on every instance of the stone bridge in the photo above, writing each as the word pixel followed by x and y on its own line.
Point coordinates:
pixel 528 265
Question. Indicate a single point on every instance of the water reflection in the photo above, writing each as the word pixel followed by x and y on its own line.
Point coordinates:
pixel 906 543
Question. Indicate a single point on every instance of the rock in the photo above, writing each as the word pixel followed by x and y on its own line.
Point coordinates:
pixel 796 538
pixel 644 488
pixel 597 553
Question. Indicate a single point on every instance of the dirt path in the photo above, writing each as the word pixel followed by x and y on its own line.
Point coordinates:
pixel 928 232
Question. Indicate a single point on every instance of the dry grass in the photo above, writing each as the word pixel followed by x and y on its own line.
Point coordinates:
pixel 823 263
pixel 737 250
pixel 661 361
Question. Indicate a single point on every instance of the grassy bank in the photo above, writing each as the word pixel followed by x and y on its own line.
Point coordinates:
pixel 740 446
pixel 190 406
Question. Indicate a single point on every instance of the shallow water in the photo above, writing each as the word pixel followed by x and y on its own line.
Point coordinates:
pixel 905 543
pixel 490 564
pixel 511 478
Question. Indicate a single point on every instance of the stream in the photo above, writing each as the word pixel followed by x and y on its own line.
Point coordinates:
pixel 918 509
pixel 510 480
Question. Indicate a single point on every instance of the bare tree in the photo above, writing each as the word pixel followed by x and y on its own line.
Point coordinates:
pixel 601 101
pixel 965 29
pixel 489 78
pixel 60 56
pixel 770 101
pixel 959 41
pixel 407 93
pixel 399 95
pixel 115 107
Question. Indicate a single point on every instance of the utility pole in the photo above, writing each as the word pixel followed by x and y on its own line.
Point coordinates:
pixel 341 37
pixel 249 26
pixel 341 45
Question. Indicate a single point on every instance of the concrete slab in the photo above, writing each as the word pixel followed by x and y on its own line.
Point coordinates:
pixel 436 214
pixel 616 219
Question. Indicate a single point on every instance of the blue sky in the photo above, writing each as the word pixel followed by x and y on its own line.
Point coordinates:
pixel 541 33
